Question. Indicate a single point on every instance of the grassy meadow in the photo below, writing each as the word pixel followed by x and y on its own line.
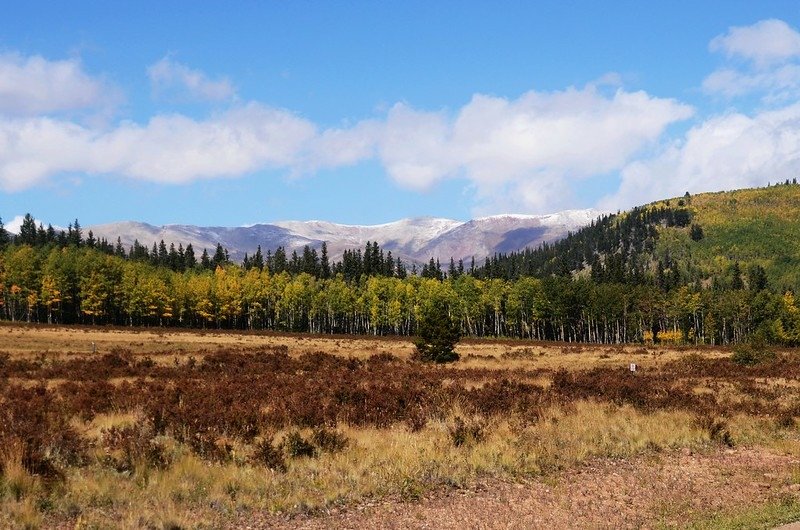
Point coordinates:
pixel 173 429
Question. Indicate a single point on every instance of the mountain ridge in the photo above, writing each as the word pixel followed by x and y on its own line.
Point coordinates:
pixel 415 239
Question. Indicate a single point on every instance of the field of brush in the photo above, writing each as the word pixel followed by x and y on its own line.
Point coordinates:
pixel 169 429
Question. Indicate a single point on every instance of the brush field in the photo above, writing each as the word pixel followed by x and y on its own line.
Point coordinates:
pixel 110 428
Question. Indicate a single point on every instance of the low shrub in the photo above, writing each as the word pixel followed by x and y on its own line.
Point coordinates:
pixel 717 429
pixel 297 446
pixel 329 440
pixel 467 431
pixel 267 454
pixel 751 354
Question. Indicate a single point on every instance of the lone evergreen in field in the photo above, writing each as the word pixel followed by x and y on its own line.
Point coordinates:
pixel 438 334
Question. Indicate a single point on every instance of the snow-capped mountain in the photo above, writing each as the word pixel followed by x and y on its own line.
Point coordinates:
pixel 413 240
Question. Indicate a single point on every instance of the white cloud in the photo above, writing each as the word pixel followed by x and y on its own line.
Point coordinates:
pixel 34 85
pixel 764 42
pixel 724 152
pixel 342 147
pixel 526 152
pixel 522 154
pixel 414 147
pixel 772 50
pixel 777 84
pixel 171 78
pixel 169 149
pixel 736 149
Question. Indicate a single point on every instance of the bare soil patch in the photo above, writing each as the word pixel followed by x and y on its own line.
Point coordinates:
pixel 665 490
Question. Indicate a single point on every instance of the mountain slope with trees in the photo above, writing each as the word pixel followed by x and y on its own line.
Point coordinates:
pixel 724 237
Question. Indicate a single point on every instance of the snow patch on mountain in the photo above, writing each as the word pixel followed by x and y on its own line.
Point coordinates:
pixel 413 240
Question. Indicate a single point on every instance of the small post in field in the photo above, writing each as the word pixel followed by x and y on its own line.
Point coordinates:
pixel 633 367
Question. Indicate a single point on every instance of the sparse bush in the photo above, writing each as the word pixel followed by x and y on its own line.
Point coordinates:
pixel 466 431
pixel 329 440
pixel 209 446
pixel 269 455
pixel 752 352
pixel 717 430
pixel 297 446
pixel 785 419
pixel 134 445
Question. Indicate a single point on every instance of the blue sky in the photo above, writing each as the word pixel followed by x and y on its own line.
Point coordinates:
pixel 367 112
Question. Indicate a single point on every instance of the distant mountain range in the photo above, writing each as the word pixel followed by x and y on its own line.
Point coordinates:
pixel 413 240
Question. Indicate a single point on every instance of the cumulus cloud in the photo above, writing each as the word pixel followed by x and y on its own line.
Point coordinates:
pixel 777 84
pixel 765 42
pixel 724 152
pixel 175 80
pixel 169 149
pixel 34 85
pixel 771 50
pixel 342 146
pixel 521 154
pixel 531 147
pixel 735 149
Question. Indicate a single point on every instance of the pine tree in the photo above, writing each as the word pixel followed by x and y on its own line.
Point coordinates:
pixel 279 263
pixel 5 237
pixel 27 231
pixel 258 259
pixel 163 254
pixel 451 271
pixel 41 236
pixel 400 270
pixel 119 250
pixel 205 261
pixel 189 259
pixel 181 258
pixel 325 266
pixel 76 235
pixel 438 334
pixel 757 278
pixel 172 258
pixel 696 232
pixel 219 257
pixel 388 265
pixel 736 280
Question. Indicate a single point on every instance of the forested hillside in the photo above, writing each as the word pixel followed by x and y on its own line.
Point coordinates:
pixel 712 237
pixel 711 268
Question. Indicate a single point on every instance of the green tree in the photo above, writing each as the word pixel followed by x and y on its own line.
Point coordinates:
pixel 5 238
pixel 438 333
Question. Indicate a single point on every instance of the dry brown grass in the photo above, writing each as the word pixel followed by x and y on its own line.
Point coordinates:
pixel 167 346
pixel 376 463
pixel 593 410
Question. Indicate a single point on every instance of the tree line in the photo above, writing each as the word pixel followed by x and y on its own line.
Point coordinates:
pixel 66 278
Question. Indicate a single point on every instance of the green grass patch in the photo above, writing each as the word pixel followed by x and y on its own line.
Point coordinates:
pixel 783 511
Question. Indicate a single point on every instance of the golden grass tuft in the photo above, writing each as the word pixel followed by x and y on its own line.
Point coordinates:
pixel 374 463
